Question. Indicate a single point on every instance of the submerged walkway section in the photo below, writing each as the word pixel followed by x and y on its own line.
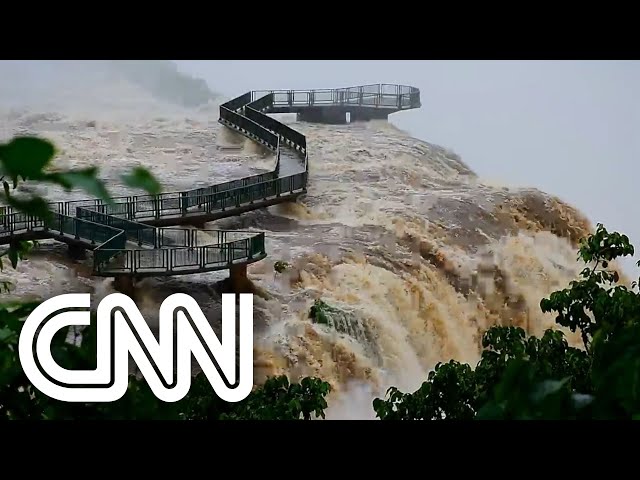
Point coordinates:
pixel 132 236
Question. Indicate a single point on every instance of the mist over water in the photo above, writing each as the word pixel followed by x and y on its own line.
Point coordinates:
pixel 417 254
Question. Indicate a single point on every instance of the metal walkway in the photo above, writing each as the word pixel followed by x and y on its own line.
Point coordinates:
pixel 131 238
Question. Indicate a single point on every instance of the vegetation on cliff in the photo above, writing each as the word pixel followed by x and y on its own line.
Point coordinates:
pixel 517 377
pixel 165 82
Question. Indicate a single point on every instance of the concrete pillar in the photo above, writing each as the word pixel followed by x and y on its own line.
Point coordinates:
pixel 124 284
pixel 77 252
pixel 238 281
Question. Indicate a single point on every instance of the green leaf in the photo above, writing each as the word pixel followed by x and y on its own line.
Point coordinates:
pixel 26 156
pixel 85 179
pixel 5 333
pixel 547 388
pixel 140 177
pixel 13 256
pixel 35 206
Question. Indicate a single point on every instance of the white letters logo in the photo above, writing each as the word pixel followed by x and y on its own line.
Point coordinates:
pixel 116 340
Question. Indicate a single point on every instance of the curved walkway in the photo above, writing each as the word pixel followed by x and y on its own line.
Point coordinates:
pixel 131 236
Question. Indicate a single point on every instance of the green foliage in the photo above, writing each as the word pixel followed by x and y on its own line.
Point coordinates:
pixel 27 158
pixel 318 312
pixel 455 391
pixel 278 399
pixel 280 266
pixel 450 393
pixel 325 314
pixel 616 376
pixel 13 155
pixel 141 178
pixel 593 303
pixel 85 179
pixel 550 357
pixel 522 395
pixel 520 377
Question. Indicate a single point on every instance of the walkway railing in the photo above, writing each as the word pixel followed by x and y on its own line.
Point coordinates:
pixel 108 228
pixel 401 97
pixel 191 256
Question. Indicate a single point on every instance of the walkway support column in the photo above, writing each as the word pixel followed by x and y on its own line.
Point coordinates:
pixel 77 252
pixel 238 280
pixel 328 115
pixel 199 224
pixel 365 115
pixel 124 284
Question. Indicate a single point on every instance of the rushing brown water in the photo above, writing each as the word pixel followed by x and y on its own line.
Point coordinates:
pixel 419 253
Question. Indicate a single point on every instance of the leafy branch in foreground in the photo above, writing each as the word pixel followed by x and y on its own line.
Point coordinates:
pixel 526 378
pixel 28 158
pixel 595 305
pixel 455 391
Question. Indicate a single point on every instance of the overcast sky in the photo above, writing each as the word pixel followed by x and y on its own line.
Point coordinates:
pixel 571 128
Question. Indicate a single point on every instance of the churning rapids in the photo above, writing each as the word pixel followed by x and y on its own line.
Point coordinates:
pixel 418 254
